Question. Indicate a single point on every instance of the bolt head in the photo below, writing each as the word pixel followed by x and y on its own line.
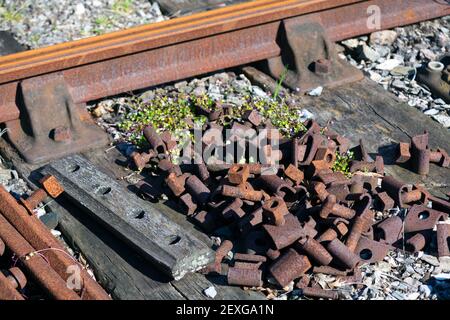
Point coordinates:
pixel 61 134
pixel 51 185
pixel 322 66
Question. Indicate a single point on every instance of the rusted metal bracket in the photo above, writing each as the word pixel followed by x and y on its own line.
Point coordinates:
pixel 51 125
pixel 308 58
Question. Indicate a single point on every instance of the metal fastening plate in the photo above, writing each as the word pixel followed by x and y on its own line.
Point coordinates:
pixel 51 125
pixel 308 58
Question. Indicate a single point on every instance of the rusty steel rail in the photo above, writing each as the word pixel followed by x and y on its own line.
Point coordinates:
pixel 35 264
pixel 152 54
pixel 26 236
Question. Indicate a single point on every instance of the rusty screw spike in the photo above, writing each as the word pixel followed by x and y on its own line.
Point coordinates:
pixel 331 207
pixel 33 201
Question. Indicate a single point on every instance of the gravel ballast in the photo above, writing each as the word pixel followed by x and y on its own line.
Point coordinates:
pixel 40 23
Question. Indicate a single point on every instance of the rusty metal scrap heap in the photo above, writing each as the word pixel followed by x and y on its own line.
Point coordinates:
pixel 302 217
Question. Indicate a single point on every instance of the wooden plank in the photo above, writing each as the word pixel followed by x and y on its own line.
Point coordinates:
pixel 365 110
pixel 141 225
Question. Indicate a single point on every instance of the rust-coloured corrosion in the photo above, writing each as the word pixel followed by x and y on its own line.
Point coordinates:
pixel 40 238
pixel 7 290
pixel 275 209
pixel 370 251
pixel 421 218
pixel 33 201
pixel 331 207
pixel 197 189
pixel 317 292
pixel 52 186
pixel 286 234
pixel 152 54
pixel 315 250
pixel 443 239
pixel 343 253
pixel 238 174
pixel 244 277
pixel 416 242
pixel 289 267
pixel 391 229
pixel 48 278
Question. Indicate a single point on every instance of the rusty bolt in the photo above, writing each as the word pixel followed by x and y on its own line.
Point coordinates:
pixel 33 201
pixel 315 250
pixel 222 251
pixel 316 292
pixel 177 183
pixel 273 254
pixel 275 209
pixel 169 141
pixel 294 174
pixel 289 267
pixel 443 243
pixel 326 154
pixel 328 235
pixel 61 134
pixel 244 277
pixel 360 225
pixel 207 220
pixel 243 191
pixel 189 205
pixel 154 139
pixel 141 159
pixel 253 117
pixel 384 202
pixel 343 253
pixel 412 196
pixel 322 66
pixel 320 189
pixel 416 243
pixel 318 166
pixel 17 278
pixel 303 282
pixel 403 153
pixel 329 270
pixel 440 157
pixel 234 210
pixel 245 257
pixel 331 207
pixel 238 174
pixel 52 186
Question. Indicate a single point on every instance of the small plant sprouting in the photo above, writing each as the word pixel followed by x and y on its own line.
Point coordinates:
pixel 280 81
pixel 342 163
pixel 102 24
pixel 11 15
pixel 122 6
